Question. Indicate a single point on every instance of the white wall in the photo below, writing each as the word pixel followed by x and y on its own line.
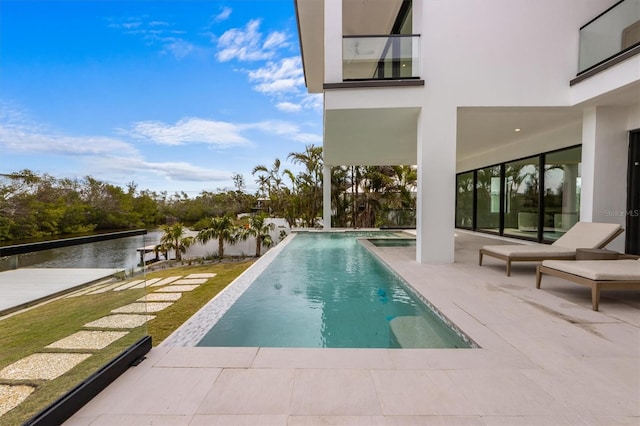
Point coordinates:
pixel 633 122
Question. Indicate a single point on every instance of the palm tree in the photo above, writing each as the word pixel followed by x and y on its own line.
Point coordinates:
pixel 221 228
pixel 174 239
pixel 261 231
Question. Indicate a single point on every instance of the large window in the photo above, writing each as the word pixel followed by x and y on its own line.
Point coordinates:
pixel 561 191
pixel 464 200
pixel 522 191
pixel 488 199
pixel 517 200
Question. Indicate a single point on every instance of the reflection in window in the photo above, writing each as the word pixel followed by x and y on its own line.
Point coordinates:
pixel 521 198
pixel 488 194
pixel 561 191
pixel 464 200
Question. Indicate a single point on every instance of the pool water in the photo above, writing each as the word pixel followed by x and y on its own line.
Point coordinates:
pixel 327 290
pixel 393 242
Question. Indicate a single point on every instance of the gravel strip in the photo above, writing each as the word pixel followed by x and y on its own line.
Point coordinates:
pixel 42 366
pixel 205 275
pixel 189 281
pixel 12 396
pixel 160 297
pixel 120 321
pixel 166 281
pixel 127 286
pixel 176 288
pixel 142 308
pixel 88 340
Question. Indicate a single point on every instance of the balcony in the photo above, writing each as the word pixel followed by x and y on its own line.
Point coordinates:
pixel 610 38
pixel 380 57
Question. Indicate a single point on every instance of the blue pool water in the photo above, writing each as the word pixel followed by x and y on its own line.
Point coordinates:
pixel 327 290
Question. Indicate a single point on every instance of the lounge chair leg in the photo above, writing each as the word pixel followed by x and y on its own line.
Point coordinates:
pixel 508 268
pixel 538 277
pixel 595 296
pixel 480 258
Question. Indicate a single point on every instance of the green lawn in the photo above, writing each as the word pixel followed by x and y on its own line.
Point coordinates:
pixel 29 332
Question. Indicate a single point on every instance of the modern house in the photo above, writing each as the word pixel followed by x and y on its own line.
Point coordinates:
pixel 522 116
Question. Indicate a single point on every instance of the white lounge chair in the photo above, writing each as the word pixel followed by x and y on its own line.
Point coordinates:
pixel 581 235
pixel 596 274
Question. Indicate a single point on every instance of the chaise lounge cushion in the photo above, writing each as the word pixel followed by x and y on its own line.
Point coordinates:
pixel 587 235
pixel 534 250
pixel 599 270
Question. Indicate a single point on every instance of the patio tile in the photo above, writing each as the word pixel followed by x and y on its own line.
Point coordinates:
pixel 254 391
pixel 208 357
pixel 386 420
pixel 138 420
pixel 506 392
pixel 322 358
pixel 161 392
pixel 420 392
pixel 344 392
pixel 239 420
pixel 127 286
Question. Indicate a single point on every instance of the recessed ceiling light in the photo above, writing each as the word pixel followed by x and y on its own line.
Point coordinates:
pixel 516 130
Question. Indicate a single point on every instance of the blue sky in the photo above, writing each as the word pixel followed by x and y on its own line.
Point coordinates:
pixel 172 95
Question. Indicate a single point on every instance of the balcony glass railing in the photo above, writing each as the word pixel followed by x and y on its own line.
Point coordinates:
pixel 613 32
pixel 72 311
pixel 383 57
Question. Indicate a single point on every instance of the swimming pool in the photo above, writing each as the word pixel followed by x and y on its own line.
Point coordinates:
pixel 393 242
pixel 327 290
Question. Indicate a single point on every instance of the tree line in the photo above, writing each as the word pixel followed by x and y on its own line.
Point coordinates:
pixel 40 206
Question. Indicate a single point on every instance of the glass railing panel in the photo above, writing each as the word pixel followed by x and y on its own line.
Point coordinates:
pixel 616 30
pixel 380 57
pixel 65 313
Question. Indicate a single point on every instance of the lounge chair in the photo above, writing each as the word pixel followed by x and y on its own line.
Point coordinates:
pixel 581 235
pixel 597 274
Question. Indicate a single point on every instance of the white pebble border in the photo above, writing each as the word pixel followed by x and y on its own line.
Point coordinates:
pixel 12 396
pixel 42 366
pixel 120 321
pixel 88 340
pixel 194 329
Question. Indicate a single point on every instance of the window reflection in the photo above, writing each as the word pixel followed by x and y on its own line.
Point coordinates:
pixel 488 188
pixel 561 192
pixel 464 200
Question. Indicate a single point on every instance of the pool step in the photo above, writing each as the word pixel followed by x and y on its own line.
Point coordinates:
pixel 415 332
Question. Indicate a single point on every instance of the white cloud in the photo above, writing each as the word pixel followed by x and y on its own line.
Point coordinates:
pixel 287 129
pixel 223 15
pixel 178 48
pixel 288 107
pixel 245 44
pixel 178 171
pixel 190 130
pixel 285 75
pixel 21 136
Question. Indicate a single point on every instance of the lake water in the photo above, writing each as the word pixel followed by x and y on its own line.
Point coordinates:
pixel 118 253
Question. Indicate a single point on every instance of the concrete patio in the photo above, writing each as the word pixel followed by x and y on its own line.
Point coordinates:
pixel 545 358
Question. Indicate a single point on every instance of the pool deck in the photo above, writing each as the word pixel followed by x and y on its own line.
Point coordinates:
pixel 545 359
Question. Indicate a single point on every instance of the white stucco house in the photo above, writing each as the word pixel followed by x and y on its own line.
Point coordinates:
pixel 522 116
